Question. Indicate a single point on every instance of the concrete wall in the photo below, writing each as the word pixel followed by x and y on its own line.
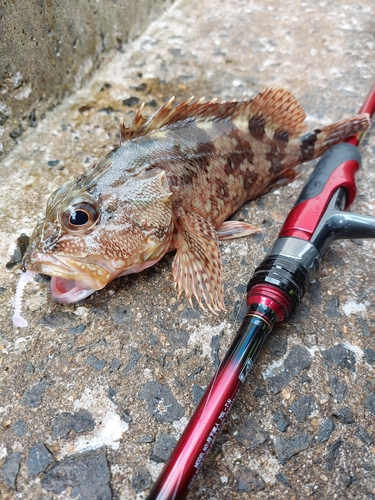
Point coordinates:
pixel 48 47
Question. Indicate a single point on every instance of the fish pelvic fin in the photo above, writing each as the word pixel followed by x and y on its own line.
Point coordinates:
pixel 315 143
pixel 197 265
pixel 231 229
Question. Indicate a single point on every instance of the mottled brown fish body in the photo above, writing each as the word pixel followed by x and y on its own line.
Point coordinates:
pixel 171 184
pixel 211 169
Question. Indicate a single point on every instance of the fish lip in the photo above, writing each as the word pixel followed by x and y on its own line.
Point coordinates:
pixel 89 275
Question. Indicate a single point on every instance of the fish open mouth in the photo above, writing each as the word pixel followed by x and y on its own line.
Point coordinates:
pixel 72 280
pixel 65 291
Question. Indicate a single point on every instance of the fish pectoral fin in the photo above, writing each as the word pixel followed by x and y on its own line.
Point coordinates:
pixel 231 229
pixel 197 264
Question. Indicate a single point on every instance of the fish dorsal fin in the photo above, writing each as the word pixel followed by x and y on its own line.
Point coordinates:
pixel 127 133
pixel 275 109
pixel 167 115
pixel 278 112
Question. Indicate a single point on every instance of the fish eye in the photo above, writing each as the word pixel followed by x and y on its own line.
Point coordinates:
pixel 82 214
pixel 79 218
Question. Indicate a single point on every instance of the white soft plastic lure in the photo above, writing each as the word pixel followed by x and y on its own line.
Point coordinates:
pixel 25 277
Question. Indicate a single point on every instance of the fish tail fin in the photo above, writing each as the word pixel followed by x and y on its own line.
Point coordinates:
pixel 315 143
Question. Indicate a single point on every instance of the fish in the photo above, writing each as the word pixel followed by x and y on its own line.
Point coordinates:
pixel 171 184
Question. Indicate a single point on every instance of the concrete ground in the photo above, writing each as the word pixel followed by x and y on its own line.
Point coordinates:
pixel 94 395
pixel 48 49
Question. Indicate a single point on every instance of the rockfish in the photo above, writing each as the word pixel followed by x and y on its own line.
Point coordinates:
pixel 171 185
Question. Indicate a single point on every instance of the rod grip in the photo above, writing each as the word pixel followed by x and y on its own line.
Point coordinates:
pixel 336 168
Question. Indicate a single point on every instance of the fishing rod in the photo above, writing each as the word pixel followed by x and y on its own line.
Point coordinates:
pixel 273 293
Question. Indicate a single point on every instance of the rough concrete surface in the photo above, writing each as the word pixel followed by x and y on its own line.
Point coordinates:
pixel 47 49
pixel 94 395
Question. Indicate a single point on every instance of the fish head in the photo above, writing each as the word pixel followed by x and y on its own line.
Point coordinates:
pixel 100 227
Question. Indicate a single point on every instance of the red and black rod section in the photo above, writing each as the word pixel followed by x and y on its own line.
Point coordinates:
pixel 197 439
pixel 276 288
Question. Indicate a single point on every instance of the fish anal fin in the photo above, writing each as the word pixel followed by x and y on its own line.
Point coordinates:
pixel 232 229
pixel 197 264
pixel 281 180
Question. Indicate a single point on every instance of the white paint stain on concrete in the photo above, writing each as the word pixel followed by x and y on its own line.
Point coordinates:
pixel 201 336
pixel 355 349
pixel 274 368
pixel 109 433
pixel 277 366
pixel 352 307
pixel 109 427
pixel 154 469
pixel 180 426
pixel 267 467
